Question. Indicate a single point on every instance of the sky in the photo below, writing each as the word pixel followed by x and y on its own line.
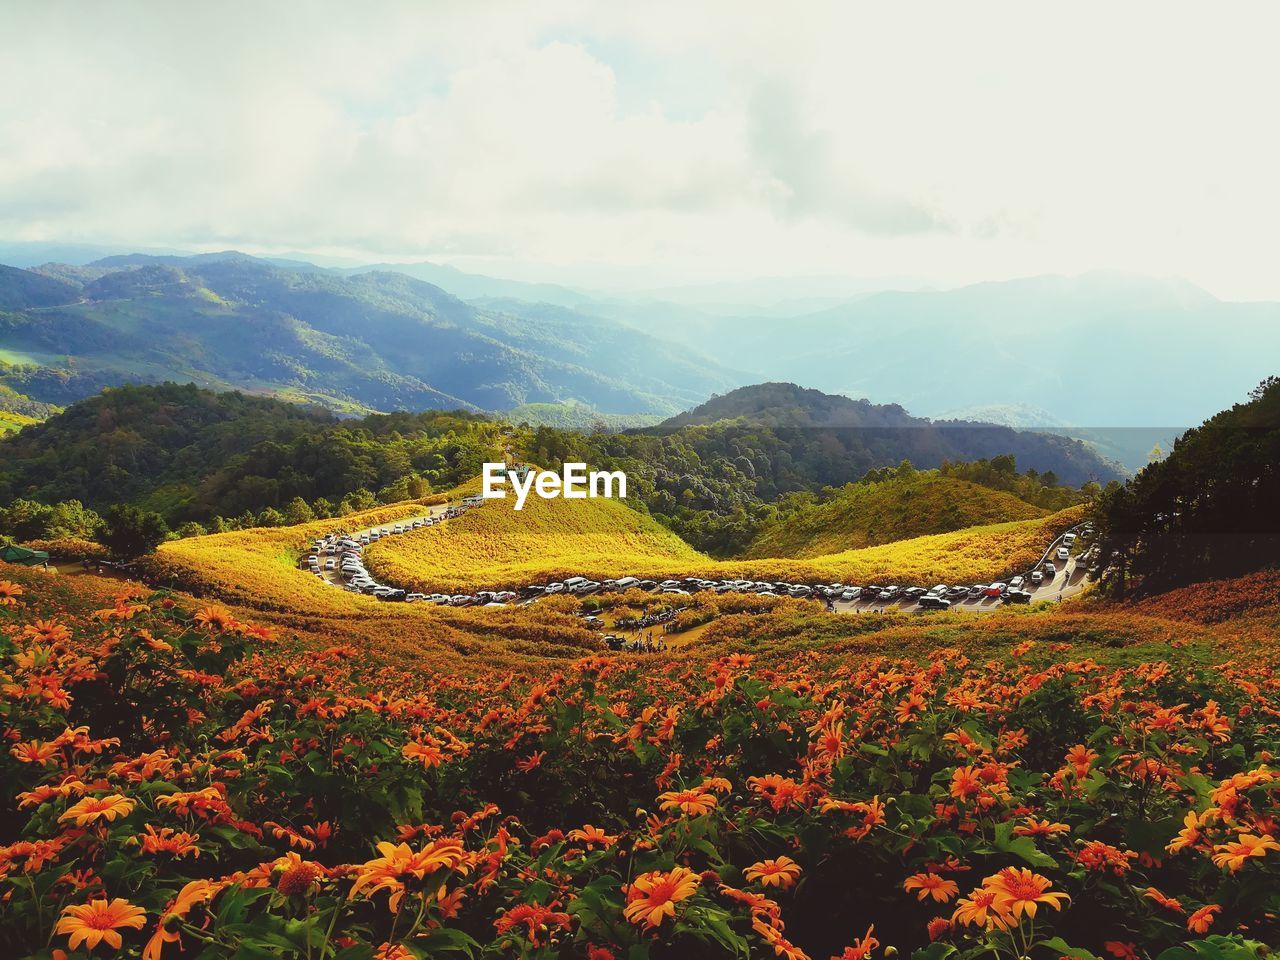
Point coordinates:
pixel 631 145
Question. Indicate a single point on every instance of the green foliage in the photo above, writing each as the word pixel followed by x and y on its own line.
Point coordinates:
pixel 129 532
pixel 28 520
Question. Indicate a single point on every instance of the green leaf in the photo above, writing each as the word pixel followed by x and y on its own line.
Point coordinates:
pixel 1061 947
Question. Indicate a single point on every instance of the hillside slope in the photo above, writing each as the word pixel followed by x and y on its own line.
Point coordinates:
pixel 496 545
pixel 869 514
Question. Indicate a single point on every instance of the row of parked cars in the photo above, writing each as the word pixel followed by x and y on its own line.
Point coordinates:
pixel 939 597
pixel 344 555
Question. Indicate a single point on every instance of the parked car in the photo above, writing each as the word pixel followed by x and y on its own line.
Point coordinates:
pixel 1063 553
pixel 1050 571
pixel 957 593
pixel 1069 540
pixel 1037 578
pixel 977 590
pixel 1017 596
pixel 932 602
pixel 852 593
pixel 994 590
pixel 1017 582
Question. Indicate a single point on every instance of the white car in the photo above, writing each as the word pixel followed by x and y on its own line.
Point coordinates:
pixel 1037 578
pixel 1017 582
pixel 1064 553
pixel 1069 540
pixel 330 564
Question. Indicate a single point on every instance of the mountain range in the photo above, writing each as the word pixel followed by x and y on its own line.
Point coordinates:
pixel 1124 362
pixel 369 341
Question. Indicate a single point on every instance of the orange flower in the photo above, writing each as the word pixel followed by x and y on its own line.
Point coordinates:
pixel 428 753
pixel 211 618
pixel 167 840
pixel 298 875
pixel 653 896
pixel 97 921
pixel 931 885
pixel 9 593
pixel 195 892
pixel 1169 903
pixel 781 872
pixel 1233 855
pixel 1202 919
pixel 93 808
pixel 1020 891
pixel 34 752
pixel 691 803
pixel 593 836
pixel 46 631
pixel 861 948
pixel 979 910
pixel 1040 828
pixel 537 919
pixel 1189 834
pixel 965 783
pixel 400 862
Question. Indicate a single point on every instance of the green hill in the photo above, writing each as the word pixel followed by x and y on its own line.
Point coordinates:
pixel 844 438
pixel 870 514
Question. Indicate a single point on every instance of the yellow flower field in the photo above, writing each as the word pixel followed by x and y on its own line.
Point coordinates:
pixel 259 567
pixel 494 546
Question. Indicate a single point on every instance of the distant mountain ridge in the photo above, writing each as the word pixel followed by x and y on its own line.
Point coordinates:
pixel 367 341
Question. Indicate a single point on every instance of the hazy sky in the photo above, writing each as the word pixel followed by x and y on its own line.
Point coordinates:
pixel 657 142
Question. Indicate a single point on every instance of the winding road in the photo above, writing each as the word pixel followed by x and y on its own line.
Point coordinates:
pixel 1069 581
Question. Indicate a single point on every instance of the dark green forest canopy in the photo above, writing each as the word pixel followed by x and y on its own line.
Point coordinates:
pixel 1210 509
pixel 192 454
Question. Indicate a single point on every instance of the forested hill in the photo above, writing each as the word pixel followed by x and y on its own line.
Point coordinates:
pixel 1208 510
pixel 192 455
pixel 907 504
pixel 862 435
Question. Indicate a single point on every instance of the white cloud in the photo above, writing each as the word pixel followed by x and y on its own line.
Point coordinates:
pixel 689 141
